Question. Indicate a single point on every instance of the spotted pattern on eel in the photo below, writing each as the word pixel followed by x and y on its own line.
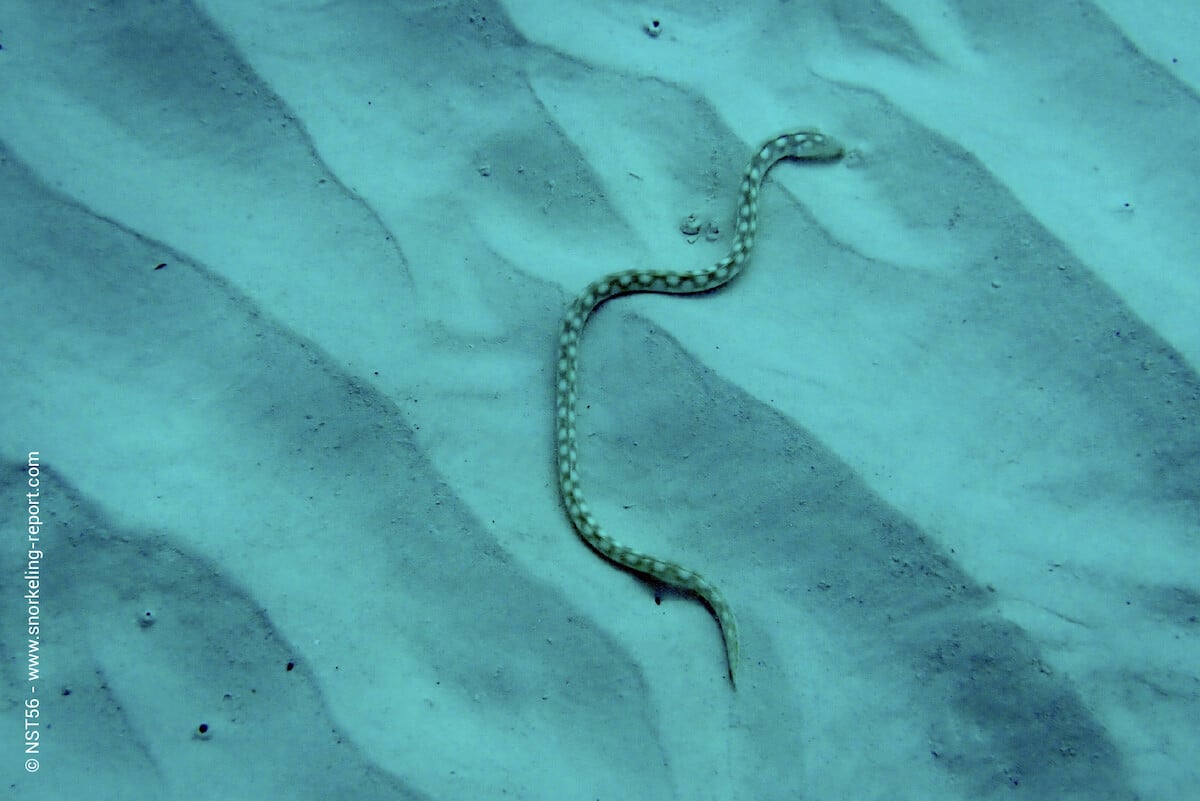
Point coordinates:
pixel 808 145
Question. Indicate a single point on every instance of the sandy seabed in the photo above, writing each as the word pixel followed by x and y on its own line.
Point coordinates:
pixel 283 282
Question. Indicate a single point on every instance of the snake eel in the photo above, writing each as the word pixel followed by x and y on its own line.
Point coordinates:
pixel 807 145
